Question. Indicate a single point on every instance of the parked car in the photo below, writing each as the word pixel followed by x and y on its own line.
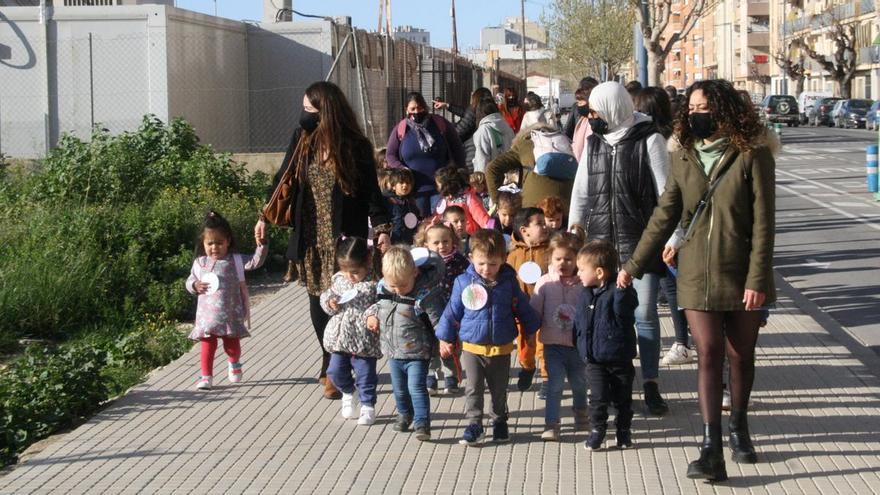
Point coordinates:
pixel 872 119
pixel 851 113
pixel 807 100
pixel 820 113
pixel 780 108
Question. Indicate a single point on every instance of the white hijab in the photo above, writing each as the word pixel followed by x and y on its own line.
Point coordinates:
pixel 614 105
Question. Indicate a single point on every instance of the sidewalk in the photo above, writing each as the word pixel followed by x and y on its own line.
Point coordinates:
pixel 815 421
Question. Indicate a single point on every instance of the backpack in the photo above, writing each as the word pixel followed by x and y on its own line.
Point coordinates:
pixel 553 155
pixel 439 121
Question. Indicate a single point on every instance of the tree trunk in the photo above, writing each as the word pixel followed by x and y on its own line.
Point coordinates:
pixel 799 85
pixel 656 66
pixel 845 86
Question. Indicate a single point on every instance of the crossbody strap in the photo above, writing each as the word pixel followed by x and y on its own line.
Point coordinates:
pixel 704 203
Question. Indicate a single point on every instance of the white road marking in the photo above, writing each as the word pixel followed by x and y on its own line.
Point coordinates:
pixel 865 219
pixel 849 204
pixel 803 186
pixel 815 264
pixel 824 186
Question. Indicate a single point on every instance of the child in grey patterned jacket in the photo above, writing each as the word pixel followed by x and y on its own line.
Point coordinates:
pixel 410 304
pixel 353 347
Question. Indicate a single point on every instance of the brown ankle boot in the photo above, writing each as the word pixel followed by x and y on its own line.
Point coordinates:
pixel 322 376
pixel 331 392
pixel 291 274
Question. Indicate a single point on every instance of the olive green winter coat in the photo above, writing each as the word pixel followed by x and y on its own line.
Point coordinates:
pixel 731 247
pixel 521 158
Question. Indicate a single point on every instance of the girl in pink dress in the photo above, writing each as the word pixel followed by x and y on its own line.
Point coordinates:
pixel 223 308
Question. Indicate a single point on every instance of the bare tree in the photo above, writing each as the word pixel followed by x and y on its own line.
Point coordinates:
pixel 587 35
pixel 791 67
pixel 654 16
pixel 841 64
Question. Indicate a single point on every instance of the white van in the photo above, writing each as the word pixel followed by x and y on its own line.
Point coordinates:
pixel 807 100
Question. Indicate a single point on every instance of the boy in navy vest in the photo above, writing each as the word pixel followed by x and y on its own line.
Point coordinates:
pixel 605 338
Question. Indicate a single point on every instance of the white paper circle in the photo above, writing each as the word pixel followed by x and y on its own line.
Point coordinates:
pixel 212 280
pixel 529 272
pixel 410 220
pixel 507 240
pixel 347 296
pixel 474 297
pixel 420 255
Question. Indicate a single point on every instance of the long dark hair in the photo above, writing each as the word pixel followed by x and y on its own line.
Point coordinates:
pixel 655 102
pixel 336 140
pixel 352 252
pixel 486 106
pixel 478 95
pixel 735 118
pixel 214 221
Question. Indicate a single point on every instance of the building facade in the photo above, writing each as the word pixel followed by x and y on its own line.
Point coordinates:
pixel 413 35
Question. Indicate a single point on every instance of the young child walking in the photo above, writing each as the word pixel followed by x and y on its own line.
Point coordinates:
pixel 454 189
pixel 409 306
pixel 555 299
pixel 223 310
pixel 606 340
pixel 404 212
pixel 441 239
pixel 529 246
pixel 353 348
pixel 480 319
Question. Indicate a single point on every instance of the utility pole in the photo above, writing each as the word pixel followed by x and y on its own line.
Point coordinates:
pixel 522 6
pixel 454 34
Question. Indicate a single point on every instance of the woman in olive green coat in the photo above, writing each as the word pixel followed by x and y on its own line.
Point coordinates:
pixel 725 262
pixel 520 158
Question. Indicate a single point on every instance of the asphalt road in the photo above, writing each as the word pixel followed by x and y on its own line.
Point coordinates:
pixel 828 226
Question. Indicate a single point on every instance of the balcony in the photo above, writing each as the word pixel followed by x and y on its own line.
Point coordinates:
pixel 757 39
pixel 754 69
pixel 758 8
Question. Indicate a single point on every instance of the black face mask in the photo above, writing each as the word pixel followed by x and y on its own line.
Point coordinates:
pixel 309 120
pixel 420 117
pixel 584 110
pixel 702 125
pixel 599 126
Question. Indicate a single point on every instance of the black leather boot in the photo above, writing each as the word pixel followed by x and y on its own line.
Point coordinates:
pixel 741 449
pixel 710 465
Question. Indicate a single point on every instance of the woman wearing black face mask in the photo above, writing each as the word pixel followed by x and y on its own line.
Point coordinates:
pixel 424 143
pixel 511 109
pixel 334 188
pixel 725 269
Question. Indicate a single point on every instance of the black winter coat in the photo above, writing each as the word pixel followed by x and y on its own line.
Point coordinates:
pixel 622 190
pixel 350 213
pixel 467 121
pixel 604 326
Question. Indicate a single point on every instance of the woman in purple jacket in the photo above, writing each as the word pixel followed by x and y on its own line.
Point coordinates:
pixel 424 143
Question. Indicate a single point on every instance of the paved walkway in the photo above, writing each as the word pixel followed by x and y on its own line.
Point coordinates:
pixel 816 422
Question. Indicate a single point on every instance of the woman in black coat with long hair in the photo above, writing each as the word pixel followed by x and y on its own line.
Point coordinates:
pixel 335 193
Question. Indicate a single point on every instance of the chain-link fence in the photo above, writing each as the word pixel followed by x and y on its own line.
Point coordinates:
pixel 240 85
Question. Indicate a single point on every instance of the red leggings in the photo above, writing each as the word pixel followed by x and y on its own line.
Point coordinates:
pixel 232 346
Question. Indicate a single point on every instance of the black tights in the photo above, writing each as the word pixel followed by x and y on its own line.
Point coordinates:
pixel 319 321
pixel 717 333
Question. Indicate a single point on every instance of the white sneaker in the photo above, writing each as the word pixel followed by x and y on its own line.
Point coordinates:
pixel 725 400
pixel 205 383
pixel 347 406
pixel 678 354
pixel 368 416
pixel 235 372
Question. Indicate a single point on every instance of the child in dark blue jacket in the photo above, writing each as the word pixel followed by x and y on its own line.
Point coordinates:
pixel 480 317
pixel 404 212
pixel 605 337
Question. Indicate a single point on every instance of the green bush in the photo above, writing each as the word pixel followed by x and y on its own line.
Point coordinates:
pixel 47 390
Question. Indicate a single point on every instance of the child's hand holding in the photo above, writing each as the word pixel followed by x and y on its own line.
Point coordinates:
pixel 201 287
pixel 447 350
pixel 372 323
pixel 333 303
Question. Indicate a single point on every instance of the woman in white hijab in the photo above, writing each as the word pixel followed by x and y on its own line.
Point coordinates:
pixel 621 175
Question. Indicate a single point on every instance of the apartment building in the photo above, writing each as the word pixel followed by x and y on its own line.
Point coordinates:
pixel 811 21
pixel 692 57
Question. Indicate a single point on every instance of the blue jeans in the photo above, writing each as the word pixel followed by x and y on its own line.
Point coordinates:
pixel 426 202
pixel 339 371
pixel 679 322
pixel 410 391
pixel 561 362
pixel 648 324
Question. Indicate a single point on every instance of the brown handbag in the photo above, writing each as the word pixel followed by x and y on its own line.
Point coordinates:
pixel 278 211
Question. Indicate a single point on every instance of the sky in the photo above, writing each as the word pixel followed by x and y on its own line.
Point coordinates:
pixel 432 15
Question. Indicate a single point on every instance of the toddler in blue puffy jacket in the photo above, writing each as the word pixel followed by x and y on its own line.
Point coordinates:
pixel 480 315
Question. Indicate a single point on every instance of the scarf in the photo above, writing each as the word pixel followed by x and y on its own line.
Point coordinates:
pixel 426 140
pixel 710 154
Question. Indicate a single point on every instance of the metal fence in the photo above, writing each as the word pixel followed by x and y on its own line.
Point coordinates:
pixel 241 87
